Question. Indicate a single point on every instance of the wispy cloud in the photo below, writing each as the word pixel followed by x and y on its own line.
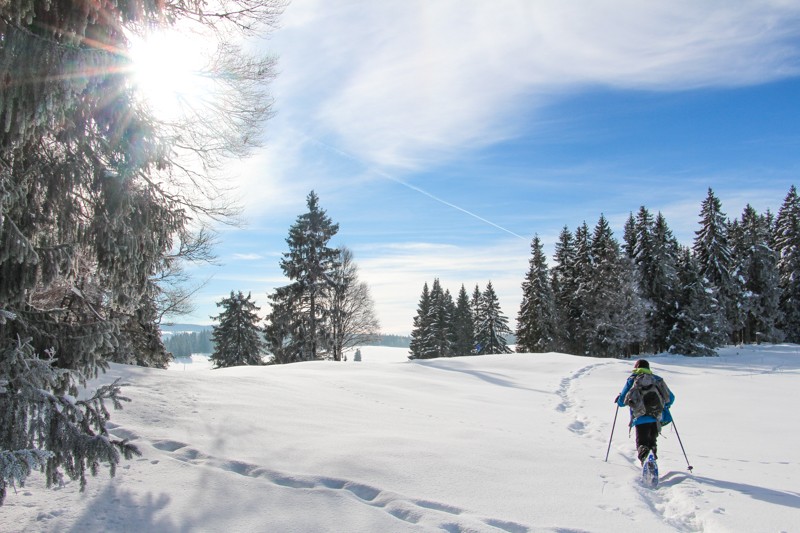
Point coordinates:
pixel 406 83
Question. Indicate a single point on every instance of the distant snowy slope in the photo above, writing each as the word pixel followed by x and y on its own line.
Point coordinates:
pixel 492 443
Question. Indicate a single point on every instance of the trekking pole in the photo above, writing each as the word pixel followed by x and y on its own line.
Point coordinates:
pixel 612 432
pixel 689 466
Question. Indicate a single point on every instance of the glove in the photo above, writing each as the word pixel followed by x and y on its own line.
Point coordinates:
pixel 616 400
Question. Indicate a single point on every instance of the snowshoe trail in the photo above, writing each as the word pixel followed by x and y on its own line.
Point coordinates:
pixel 427 514
pixel 570 402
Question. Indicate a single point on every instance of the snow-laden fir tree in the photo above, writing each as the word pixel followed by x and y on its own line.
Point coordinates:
pixel 757 263
pixel 475 305
pixel 655 251
pixel 581 299
pixel 440 320
pixel 282 335
pixel 614 310
pixel 536 326
pixel 699 326
pixel 714 256
pixel 564 285
pixel 237 336
pixel 787 246
pixel 490 335
pixel 422 345
pixel 310 264
pixel 91 205
pixel 463 325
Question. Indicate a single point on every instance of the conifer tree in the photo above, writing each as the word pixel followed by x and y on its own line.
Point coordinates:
pixel 614 312
pixel 493 325
pixel 757 263
pixel 713 253
pixel 787 246
pixel 90 208
pixel 564 285
pixel 282 334
pixel 655 254
pixel 237 337
pixel 475 303
pixel 698 329
pixel 463 325
pixel 439 320
pixel 581 300
pixel 421 346
pixel 310 264
pixel 536 321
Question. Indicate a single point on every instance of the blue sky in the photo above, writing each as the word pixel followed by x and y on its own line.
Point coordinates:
pixel 443 135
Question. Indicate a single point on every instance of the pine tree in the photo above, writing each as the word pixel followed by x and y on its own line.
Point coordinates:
pixel 582 271
pixel 787 246
pixel 421 346
pixel 237 337
pixel 282 333
pixel 90 209
pixel 713 253
pixel 310 264
pixel 463 325
pixel 758 264
pixel 564 285
pixel 698 329
pixel 536 319
pixel 655 255
pixel 614 310
pixel 490 334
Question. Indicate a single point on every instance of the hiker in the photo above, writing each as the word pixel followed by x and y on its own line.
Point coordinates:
pixel 649 399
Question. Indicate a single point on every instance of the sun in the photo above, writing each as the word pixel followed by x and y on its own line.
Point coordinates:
pixel 171 72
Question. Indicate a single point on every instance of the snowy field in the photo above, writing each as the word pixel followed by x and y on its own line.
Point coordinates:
pixel 495 443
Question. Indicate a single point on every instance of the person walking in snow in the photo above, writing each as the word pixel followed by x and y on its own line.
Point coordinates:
pixel 649 399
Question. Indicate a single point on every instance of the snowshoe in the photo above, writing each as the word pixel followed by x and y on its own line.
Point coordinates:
pixel 650 472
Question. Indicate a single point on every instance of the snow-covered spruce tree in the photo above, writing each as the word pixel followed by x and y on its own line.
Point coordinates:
pixel 713 253
pixel 283 339
pixel 88 211
pixel 757 263
pixel 421 345
pixel 698 328
pixel 615 311
pixel 581 300
pixel 440 317
pixel 787 246
pixel 352 312
pixel 536 318
pixel 662 286
pixel 493 325
pixel 237 336
pixel 564 284
pixel 655 254
pixel 463 325
pixel 310 264
pixel 475 305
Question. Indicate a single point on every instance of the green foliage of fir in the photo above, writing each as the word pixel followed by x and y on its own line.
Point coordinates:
pixel 89 217
pixel 298 323
pixel 237 337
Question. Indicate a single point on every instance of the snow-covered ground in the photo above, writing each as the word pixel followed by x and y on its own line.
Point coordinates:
pixel 494 443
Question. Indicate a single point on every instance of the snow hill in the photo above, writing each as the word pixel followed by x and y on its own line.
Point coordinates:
pixel 494 443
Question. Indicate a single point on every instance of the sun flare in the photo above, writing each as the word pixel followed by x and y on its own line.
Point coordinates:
pixel 170 70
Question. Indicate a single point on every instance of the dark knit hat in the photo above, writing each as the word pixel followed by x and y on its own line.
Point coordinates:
pixel 641 363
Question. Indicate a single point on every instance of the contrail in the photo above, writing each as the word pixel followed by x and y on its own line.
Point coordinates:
pixel 410 186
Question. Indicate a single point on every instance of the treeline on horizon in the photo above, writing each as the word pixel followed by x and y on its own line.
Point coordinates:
pixel 184 344
pixel 739 282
